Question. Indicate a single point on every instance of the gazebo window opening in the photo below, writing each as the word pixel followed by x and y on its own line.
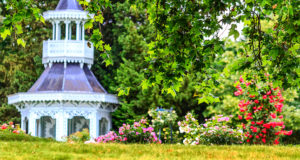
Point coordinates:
pixel 77 123
pixel 103 126
pixel 46 127
pixel 25 123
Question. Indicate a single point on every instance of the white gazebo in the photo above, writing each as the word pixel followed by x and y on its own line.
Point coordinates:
pixel 67 97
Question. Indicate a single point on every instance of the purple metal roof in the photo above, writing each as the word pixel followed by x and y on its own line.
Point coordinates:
pixel 68 4
pixel 71 78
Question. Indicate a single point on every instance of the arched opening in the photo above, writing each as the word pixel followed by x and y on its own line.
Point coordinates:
pixel 25 123
pixel 77 123
pixel 103 126
pixel 46 127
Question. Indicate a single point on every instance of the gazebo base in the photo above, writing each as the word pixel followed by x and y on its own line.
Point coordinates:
pixel 58 122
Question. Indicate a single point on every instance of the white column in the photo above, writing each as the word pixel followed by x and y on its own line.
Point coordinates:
pixel 77 30
pixel 70 31
pixel 22 121
pixel 83 31
pixel 53 30
pixel 93 125
pixel 67 30
pixel 32 124
pixel 57 30
pixel 61 126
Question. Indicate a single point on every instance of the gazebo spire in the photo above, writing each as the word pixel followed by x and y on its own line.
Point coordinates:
pixel 68 5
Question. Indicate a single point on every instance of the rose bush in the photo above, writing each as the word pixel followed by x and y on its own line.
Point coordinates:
pixel 260 109
pixel 139 132
pixel 11 128
pixel 214 131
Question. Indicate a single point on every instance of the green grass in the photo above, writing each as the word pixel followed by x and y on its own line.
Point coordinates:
pixel 55 150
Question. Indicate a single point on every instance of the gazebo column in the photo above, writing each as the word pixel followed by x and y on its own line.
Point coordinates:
pixel 83 32
pixel 77 30
pixel 61 126
pixel 32 124
pixel 57 30
pixel 67 30
pixel 93 125
pixel 53 30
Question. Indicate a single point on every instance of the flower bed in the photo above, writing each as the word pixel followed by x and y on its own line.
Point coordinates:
pixel 139 132
pixel 214 131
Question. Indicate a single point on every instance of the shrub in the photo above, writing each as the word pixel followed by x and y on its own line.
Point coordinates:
pixel 214 131
pixel 82 136
pixel 11 132
pixel 139 132
pixel 261 108
pixel 164 120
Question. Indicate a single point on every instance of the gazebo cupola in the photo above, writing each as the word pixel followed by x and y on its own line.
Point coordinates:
pixel 67 97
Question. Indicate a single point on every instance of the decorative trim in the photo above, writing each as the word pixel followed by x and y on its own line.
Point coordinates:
pixel 62 97
pixel 72 15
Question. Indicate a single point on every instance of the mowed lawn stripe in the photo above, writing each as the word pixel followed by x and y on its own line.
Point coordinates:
pixel 55 150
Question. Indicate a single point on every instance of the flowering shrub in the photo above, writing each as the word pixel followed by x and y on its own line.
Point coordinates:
pixel 82 136
pixel 261 110
pixel 162 118
pixel 139 132
pixel 213 131
pixel 11 128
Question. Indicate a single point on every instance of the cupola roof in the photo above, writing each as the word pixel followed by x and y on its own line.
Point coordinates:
pixel 71 78
pixel 68 5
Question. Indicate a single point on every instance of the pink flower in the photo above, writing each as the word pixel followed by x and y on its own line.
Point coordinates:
pixel 179 123
pixel 273 115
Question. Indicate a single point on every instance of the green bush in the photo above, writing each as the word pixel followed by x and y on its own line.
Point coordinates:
pixel 7 136
pixel 82 136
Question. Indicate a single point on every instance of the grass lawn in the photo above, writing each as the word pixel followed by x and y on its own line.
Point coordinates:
pixel 55 150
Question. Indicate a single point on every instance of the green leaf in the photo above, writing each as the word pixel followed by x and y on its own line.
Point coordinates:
pixel 21 42
pixel 19 29
pixel 5 33
pixel 107 47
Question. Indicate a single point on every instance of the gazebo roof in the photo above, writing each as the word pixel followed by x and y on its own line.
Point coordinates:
pixel 66 79
pixel 68 5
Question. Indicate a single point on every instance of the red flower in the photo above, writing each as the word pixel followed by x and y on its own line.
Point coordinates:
pixel 264 140
pixel 248 117
pixel 257 136
pixel 264 131
pixel 248 140
pixel 251 96
pixel 241 79
pixel 273 115
pixel 265 96
pixel 256 101
pixel 276 141
pixel 4 126
pixel 281 116
pixel 240 117
pixel 253 123
pixel 260 123
pixel 254 129
pixel 269 92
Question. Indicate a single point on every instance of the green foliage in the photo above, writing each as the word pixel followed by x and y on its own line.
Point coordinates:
pixel 19 66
